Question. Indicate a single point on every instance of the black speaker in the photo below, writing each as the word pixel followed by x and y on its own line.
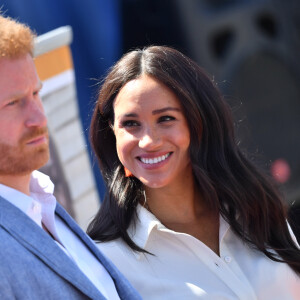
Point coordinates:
pixel 147 22
pixel 252 49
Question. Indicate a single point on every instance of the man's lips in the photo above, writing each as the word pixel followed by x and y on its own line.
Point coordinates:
pixel 38 140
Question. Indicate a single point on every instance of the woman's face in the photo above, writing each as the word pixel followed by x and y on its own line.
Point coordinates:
pixel 152 133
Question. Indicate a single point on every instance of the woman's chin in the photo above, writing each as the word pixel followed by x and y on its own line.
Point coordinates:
pixel 153 183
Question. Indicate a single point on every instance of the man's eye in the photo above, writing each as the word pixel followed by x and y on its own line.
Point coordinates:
pixel 130 123
pixel 166 119
pixel 12 103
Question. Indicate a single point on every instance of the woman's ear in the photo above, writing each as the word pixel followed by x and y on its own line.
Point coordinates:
pixel 111 125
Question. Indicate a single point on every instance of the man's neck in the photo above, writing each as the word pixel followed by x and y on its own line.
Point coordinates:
pixel 17 182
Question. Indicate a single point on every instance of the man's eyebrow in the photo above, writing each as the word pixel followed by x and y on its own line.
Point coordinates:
pixel 18 94
pixel 39 85
pixel 162 110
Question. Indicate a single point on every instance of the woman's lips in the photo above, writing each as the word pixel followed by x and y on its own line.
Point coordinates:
pixel 152 162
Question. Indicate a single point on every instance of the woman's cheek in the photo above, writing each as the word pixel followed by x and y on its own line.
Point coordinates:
pixel 125 145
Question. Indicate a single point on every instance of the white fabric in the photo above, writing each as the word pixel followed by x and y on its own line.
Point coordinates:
pixel 40 207
pixel 182 267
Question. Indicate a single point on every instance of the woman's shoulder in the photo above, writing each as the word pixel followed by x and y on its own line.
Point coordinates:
pixel 121 255
pixel 114 245
pixel 116 249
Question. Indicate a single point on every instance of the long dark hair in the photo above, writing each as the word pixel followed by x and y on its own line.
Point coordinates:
pixel 227 180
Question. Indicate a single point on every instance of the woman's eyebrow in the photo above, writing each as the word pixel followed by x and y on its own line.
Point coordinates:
pixel 154 112
pixel 162 110
pixel 129 115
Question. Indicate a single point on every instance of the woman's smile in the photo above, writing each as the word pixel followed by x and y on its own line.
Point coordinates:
pixel 154 160
pixel 151 132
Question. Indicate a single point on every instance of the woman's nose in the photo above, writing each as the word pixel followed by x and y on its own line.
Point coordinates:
pixel 150 139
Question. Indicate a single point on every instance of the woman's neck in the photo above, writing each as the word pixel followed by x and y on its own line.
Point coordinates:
pixel 182 208
pixel 180 202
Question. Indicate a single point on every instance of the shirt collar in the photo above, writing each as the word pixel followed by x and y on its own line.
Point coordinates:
pixel 15 197
pixel 223 229
pixel 141 230
pixel 147 222
pixel 41 184
pixel 40 204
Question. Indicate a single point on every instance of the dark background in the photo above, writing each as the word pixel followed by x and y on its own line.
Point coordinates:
pixel 251 48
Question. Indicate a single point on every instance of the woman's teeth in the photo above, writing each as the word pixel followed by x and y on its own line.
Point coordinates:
pixel 154 160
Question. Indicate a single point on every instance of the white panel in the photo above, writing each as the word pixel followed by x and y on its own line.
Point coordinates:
pixel 80 178
pixel 64 114
pixel 86 209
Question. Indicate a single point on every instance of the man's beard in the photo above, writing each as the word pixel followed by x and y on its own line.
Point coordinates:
pixel 23 159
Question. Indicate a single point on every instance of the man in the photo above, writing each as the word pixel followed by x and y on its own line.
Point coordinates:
pixel 43 252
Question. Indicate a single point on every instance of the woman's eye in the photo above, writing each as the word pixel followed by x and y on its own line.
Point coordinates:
pixel 130 123
pixel 166 118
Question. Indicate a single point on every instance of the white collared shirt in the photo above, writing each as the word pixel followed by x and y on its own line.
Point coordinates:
pixel 182 267
pixel 40 207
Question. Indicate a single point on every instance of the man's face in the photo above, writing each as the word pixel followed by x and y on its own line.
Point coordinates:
pixel 24 142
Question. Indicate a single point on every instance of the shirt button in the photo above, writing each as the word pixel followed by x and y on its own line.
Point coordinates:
pixel 227 259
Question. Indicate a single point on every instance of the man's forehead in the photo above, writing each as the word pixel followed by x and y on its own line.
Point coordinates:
pixel 17 77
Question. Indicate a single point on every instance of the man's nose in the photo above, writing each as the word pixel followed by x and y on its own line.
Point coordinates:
pixel 35 115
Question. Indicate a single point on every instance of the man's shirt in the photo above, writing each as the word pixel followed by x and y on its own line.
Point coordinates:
pixel 40 207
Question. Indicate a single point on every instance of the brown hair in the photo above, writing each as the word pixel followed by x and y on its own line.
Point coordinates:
pixel 228 181
pixel 16 39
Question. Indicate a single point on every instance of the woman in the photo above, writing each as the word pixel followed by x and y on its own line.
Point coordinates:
pixel 186 215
